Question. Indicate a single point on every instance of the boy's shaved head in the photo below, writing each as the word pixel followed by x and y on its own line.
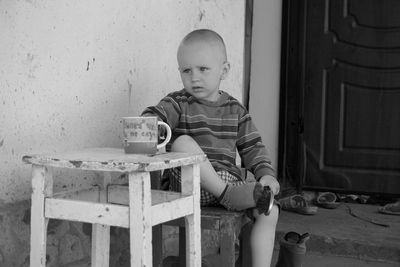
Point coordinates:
pixel 208 37
pixel 202 64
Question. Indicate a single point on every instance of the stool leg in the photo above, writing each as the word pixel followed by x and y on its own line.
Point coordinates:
pixel 100 232
pixel 42 186
pixel 191 185
pixel 157 245
pixel 182 246
pixel 140 219
pixel 157 229
pixel 245 245
pixel 227 241
pixel 100 245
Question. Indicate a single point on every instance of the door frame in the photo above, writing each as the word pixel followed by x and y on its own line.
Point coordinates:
pixel 290 169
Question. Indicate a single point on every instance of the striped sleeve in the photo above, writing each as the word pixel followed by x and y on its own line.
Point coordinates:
pixel 168 110
pixel 251 149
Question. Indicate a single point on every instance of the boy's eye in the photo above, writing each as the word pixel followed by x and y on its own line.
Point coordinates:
pixel 186 71
pixel 204 68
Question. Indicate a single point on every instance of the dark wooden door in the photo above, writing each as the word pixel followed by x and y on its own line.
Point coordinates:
pixel 348 95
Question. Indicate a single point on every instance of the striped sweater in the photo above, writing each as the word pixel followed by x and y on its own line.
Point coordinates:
pixel 219 128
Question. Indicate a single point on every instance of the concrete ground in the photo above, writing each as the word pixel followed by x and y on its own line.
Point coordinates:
pixel 338 239
pixel 346 236
pixel 316 260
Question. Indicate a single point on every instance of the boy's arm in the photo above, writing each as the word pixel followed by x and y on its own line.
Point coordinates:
pixel 168 110
pixel 254 154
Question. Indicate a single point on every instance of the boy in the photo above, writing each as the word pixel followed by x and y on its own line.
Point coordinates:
pixel 206 120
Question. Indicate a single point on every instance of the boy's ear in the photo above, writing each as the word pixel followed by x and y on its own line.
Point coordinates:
pixel 225 70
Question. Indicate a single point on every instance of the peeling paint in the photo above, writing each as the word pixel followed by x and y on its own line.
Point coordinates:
pixel 76 163
pixel 26 159
pixel 129 93
pixel 30 62
pixel 78 100
pixel 202 14
pixel 88 63
pixel 30 57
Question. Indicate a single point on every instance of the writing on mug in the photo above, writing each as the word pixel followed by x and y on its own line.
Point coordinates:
pixel 149 135
pixel 140 125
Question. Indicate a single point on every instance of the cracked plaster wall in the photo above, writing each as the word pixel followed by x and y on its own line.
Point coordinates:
pixel 70 69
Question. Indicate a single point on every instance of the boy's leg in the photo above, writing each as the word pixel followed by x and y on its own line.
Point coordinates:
pixel 238 197
pixel 209 179
pixel 263 237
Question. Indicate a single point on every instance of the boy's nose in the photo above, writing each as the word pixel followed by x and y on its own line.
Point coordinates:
pixel 195 75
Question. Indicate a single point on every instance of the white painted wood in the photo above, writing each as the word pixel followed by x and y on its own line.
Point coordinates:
pixel 140 219
pixel 117 215
pixel 82 211
pixel 119 194
pixel 172 210
pixel 42 186
pixel 104 182
pixel 114 159
pixel 88 194
pixel 144 207
pixel 191 185
pixel 101 233
pixel 100 245
pixel 166 205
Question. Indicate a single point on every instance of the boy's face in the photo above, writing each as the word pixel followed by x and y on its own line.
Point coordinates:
pixel 202 67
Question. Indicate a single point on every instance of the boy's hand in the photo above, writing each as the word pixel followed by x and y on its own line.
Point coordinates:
pixel 268 180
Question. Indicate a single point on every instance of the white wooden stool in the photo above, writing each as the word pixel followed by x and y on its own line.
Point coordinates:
pixel 145 208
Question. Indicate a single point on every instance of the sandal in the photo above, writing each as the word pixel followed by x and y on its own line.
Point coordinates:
pixel 391 208
pixel 297 203
pixel 327 200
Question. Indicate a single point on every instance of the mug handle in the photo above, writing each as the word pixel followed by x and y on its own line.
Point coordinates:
pixel 169 134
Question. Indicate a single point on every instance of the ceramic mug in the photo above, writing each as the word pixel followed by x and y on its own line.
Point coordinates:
pixel 141 135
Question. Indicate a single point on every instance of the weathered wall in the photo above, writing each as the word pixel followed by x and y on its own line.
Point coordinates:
pixel 69 70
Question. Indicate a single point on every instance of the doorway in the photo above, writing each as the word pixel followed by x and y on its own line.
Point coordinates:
pixel 340 100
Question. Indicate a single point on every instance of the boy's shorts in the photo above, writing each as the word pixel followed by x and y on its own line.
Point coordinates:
pixel 206 198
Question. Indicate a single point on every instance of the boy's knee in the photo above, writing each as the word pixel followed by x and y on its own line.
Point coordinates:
pixel 185 143
pixel 271 219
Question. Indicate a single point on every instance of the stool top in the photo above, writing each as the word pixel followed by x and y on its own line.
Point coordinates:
pixel 113 159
